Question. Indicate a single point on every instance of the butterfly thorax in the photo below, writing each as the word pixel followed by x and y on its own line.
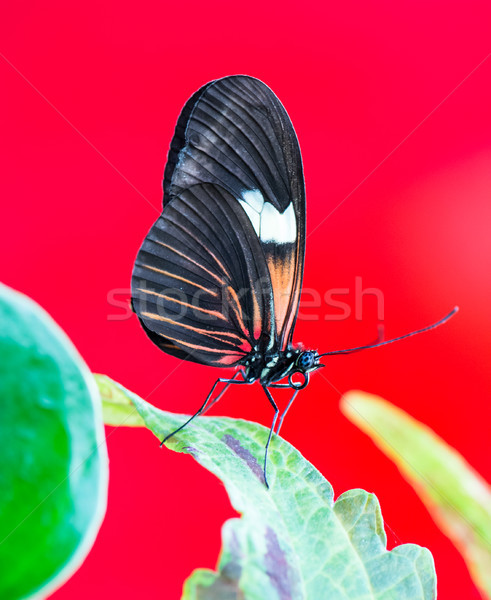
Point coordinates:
pixel 272 367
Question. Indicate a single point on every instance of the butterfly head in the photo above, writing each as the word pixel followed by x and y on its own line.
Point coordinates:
pixel 297 366
pixel 306 360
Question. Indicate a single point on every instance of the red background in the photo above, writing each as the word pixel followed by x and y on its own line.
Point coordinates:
pixel 82 168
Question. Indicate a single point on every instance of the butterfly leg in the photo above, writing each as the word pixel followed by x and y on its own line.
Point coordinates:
pixel 276 412
pixel 204 405
pixel 283 415
pixel 229 383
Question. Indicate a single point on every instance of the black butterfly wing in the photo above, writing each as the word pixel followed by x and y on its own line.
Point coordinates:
pixel 224 262
pixel 235 133
pixel 200 285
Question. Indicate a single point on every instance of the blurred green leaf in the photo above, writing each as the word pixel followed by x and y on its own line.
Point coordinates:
pixel 292 541
pixel 458 498
pixel 53 462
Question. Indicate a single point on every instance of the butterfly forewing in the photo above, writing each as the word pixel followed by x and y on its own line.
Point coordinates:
pixel 224 262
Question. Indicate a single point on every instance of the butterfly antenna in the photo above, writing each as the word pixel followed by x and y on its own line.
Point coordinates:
pixel 434 326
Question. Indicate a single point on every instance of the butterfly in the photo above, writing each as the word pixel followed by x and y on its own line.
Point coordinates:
pixel 218 278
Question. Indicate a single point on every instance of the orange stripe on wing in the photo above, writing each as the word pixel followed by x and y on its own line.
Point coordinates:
pixel 282 279
pixel 295 294
pixel 214 313
pixel 212 334
pixel 291 316
pixel 208 251
pixel 200 266
pixel 207 349
pixel 237 310
pixel 174 276
pixel 230 359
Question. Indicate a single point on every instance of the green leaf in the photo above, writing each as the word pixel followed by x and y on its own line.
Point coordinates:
pixel 457 497
pixel 292 541
pixel 117 408
pixel 53 462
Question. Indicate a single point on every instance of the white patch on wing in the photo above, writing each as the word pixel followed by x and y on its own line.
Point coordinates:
pixel 269 224
pixel 254 199
pixel 254 217
pixel 277 227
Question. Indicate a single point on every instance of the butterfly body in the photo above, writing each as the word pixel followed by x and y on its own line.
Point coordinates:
pixel 272 368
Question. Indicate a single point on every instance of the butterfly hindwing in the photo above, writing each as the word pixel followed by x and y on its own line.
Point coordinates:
pixel 198 284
